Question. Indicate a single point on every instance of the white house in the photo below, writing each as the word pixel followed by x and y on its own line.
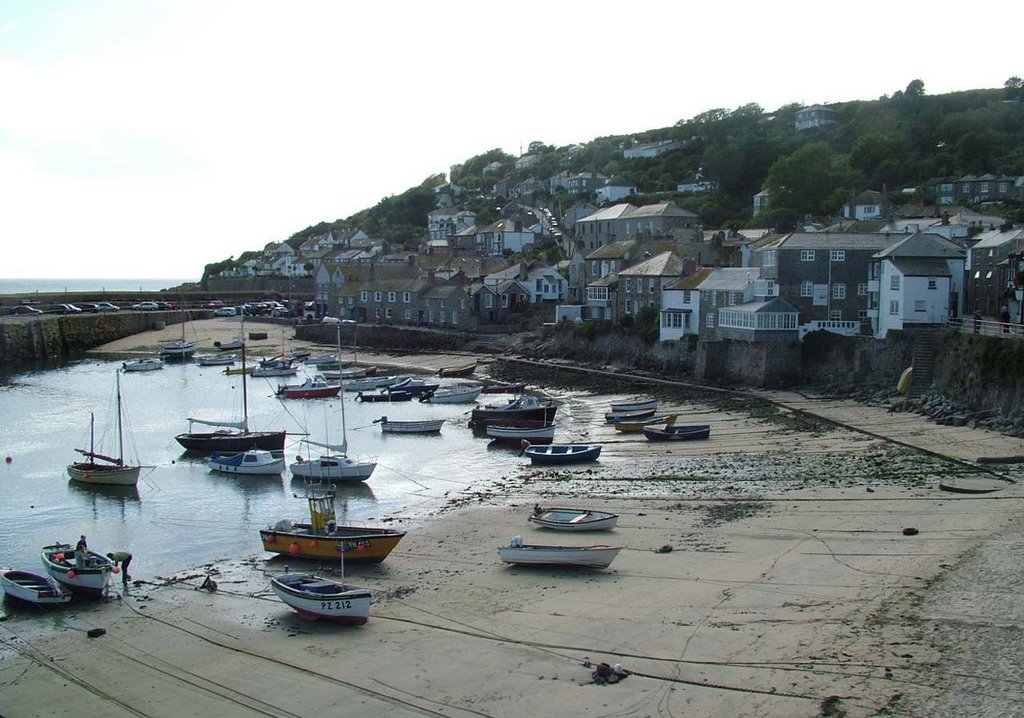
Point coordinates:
pixel 505 234
pixel 920 281
pixel 613 190
pixel 545 285
pixel 680 306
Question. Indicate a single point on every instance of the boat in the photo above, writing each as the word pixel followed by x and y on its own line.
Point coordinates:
pixel 99 468
pixel 144 364
pixel 502 388
pixel 315 388
pixel 616 417
pixel 385 396
pixel 314 597
pixel 426 426
pixel 216 359
pixel 91 577
pixel 452 395
pixel 635 404
pixel 177 349
pixel 236 343
pixel 597 556
pixel 566 519
pixel 634 427
pixel 413 386
pixel 540 434
pixel 336 465
pixel 300 354
pixel 275 366
pixel 322 360
pixel 232 437
pixel 524 408
pixel 254 462
pixel 368 383
pixel 677 432
pixel 323 539
pixel 32 588
pixel 562 453
pixel 233 371
pixel 457 371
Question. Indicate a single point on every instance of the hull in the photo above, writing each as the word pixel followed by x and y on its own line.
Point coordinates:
pixel 562 453
pixel 585 556
pixel 314 597
pixel 218 360
pixel 253 462
pixel 274 371
pixel 487 417
pixel 91 578
pixel 364 545
pixel 466 370
pixel 415 388
pixel 616 417
pixel 563 519
pixel 230 442
pixel 676 432
pixel 411 427
pixel 385 396
pixel 333 468
pixel 104 474
pixel 176 350
pixel 32 587
pixel 462 396
pixel 230 346
pixel 368 383
pixel 515 434
pixel 504 388
pixel 622 407
pixel 312 389
pixel 635 427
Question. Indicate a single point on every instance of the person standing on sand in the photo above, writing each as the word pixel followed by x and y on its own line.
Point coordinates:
pixel 123 558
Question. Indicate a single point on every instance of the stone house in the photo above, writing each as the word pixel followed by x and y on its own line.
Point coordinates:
pixel 641 284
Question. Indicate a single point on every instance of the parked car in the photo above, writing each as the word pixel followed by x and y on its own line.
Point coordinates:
pixel 25 309
pixel 145 307
pixel 225 312
pixel 330 320
pixel 214 304
pixel 107 307
pixel 88 307
pixel 68 309
pixel 164 305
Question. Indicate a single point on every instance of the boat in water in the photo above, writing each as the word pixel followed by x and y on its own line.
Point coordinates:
pixel 143 364
pixel 426 426
pixel 102 469
pixel 90 577
pixel 254 462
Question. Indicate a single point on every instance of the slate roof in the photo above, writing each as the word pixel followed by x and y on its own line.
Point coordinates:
pixel 922 267
pixel 923 245
pixel 693 281
pixel 729 279
pixel 666 264
pixel 836 240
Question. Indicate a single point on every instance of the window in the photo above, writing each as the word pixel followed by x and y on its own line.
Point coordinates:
pixel 806 255
pixel 919 305
pixel 443 316
pixel 408 315
pixel 894 282
pixel 489 300
pixel 834 315
pixel 406 297
pixel 455 318
pixel 709 321
pixel 387 313
pixel 730 299
pixel 376 296
pixel 376 312
pixel 391 297
pixel 686 296
pixel 806 288
pixel 768 258
pixel 862 289
pixel 627 286
pixel 839 291
pixel 639 284
pixel 862 313
pixel 364 296
pixel 933 283
pixel 947 187
pixel 650 284
pixel 894 307
pixel 504 300
pixel 837 255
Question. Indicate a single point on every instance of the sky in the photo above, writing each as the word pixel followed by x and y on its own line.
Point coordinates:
pixel 148 138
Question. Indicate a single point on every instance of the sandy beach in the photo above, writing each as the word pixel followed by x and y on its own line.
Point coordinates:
pixel 828 575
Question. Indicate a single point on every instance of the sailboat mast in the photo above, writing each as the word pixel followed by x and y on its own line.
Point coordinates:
pixel 120 433
pixel 341 380
pixel 245 391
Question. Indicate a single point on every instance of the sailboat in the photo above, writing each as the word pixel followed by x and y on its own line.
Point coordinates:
pixel 232 437
pixel 178 349
pixel 338 465
pixel 101 469
pixel 237 343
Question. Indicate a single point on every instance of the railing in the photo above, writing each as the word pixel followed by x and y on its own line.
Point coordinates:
pixel 988 327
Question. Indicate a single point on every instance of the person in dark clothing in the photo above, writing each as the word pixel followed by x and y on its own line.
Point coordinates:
pixel 1004 317
pixel 123 558
pixel 81 552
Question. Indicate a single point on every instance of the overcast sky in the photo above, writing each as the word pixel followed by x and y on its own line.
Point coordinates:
pixel 148 138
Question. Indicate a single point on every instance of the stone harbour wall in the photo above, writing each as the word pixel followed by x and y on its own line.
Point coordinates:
pixel 25 340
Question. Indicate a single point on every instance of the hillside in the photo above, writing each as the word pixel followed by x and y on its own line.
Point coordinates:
pixel 894 144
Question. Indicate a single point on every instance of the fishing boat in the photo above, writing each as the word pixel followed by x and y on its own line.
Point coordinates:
pixel 275 366
pixel 541 434
pixel 254 462
pixel 91 577
pixel 314 388
pixel 385 396
pixel 216 359
pixel 562 453
pixel 677 432
pixel 143 364
pixel 368 383
pixel 426 426
pixel 635 427
pixel 232 437
pixel 102 469
pixel 615 417
pixel 314 597
pixel 413 386
pixel 336 465
pixel 503 388
pixel 458 371
pixel 32 588
pixel 634 404
pixel 567 519
pixel 523 408
pixel 452 395
pixel 323 359
pixel 323 539
pixel 596 556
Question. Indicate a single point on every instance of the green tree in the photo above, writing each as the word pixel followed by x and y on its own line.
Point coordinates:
pixel 801 181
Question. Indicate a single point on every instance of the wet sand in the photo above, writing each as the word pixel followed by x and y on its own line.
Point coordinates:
pixel 792 589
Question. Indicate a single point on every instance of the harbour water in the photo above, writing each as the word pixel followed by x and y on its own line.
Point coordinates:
pixel 182 515
pixel 57 286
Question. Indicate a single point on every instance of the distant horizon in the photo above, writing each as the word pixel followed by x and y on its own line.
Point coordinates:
pixel 57 285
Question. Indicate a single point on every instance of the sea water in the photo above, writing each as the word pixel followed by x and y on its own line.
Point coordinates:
pixel 182 515
pixel 57 286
